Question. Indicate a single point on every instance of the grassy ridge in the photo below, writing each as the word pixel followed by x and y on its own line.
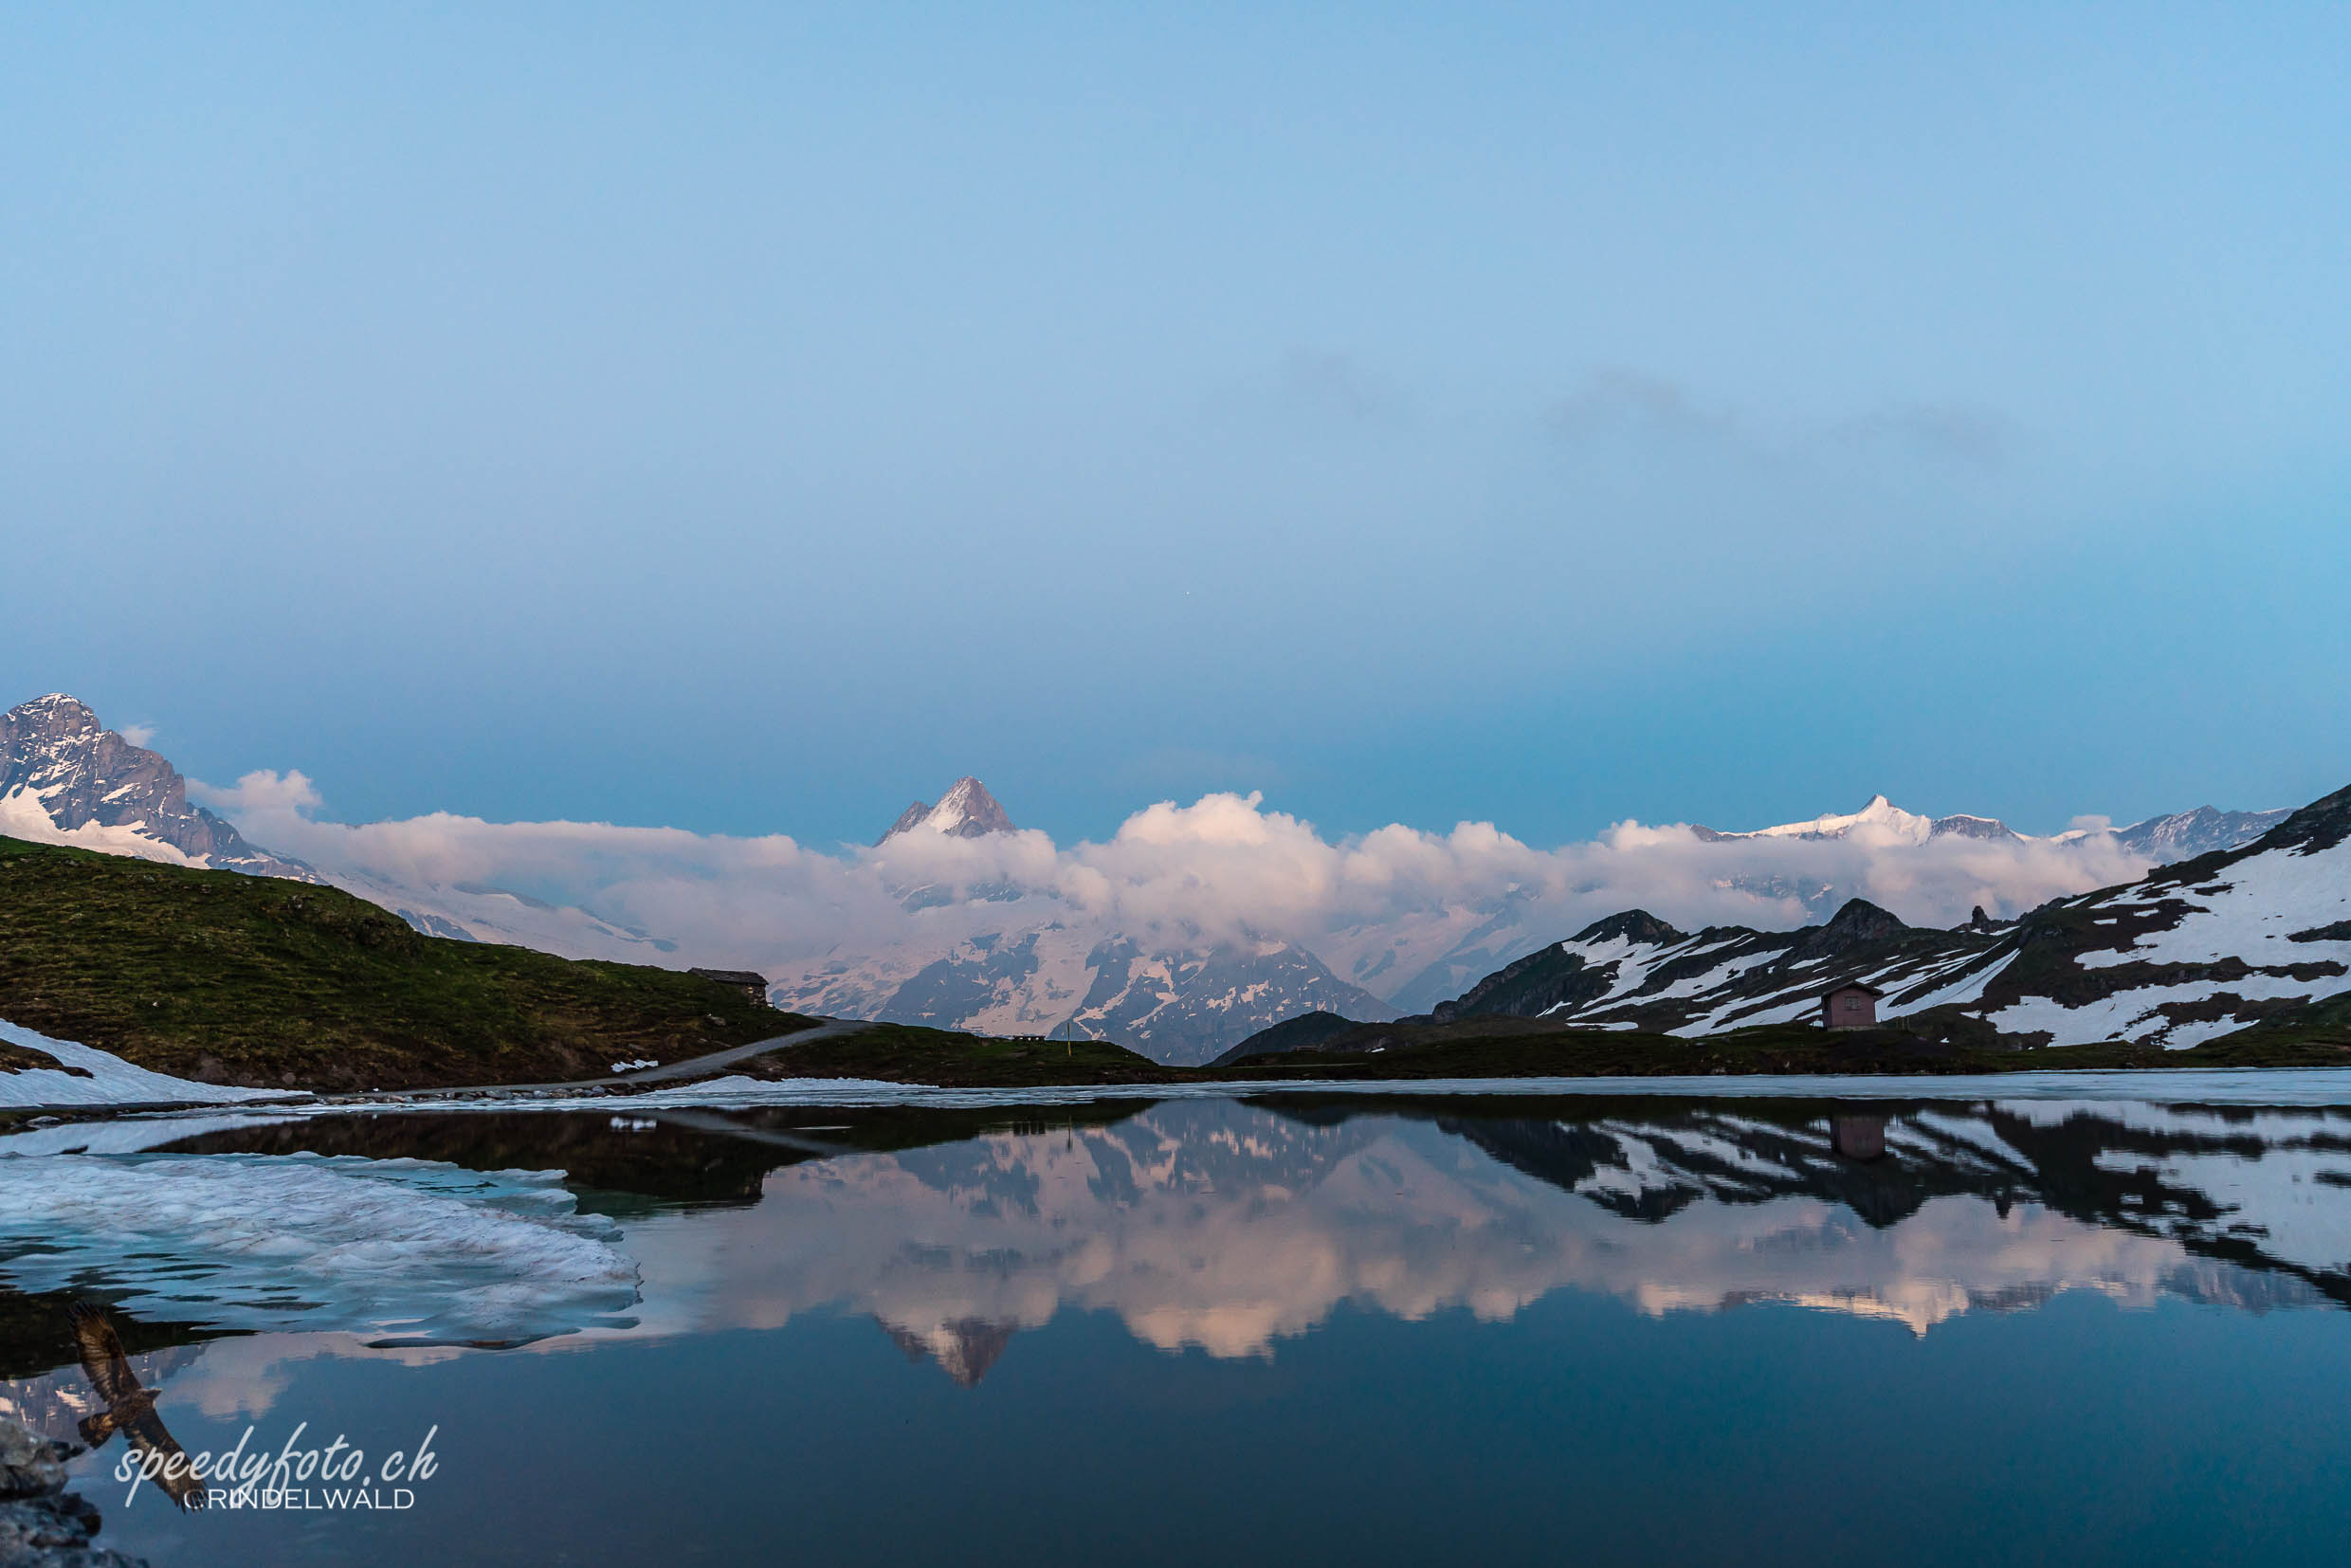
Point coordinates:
pixel 908 1053
pixel 237 979
pixel 1496 1047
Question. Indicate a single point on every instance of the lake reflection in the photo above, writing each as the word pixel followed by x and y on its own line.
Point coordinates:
pixel 1212 1234
pixel 1229 1228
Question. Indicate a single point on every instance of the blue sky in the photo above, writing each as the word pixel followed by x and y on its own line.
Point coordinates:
pixel 750 418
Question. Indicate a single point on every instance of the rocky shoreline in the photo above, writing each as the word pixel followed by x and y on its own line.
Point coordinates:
pixel 43 1525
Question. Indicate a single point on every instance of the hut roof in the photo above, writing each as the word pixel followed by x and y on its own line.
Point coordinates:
pixel 730 976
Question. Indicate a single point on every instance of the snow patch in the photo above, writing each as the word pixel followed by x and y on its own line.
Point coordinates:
pixel 24 816
pixel 111 1081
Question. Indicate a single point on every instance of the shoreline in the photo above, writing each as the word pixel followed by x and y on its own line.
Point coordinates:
pixel 2253 1086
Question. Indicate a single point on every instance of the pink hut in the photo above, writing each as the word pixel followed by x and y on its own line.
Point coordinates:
pixel 1850 1006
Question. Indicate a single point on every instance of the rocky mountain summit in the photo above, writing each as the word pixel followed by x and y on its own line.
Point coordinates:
pixel 966 811
pixel 65 778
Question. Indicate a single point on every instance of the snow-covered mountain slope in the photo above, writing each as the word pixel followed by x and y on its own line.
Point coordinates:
pixel 966 811
pixel 1881 820
pixel 65 778
pixel 1183 1005
pixel 2184 835
pixel 2187 954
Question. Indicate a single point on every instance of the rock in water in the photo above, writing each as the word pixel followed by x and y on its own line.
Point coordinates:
pixel 41 1526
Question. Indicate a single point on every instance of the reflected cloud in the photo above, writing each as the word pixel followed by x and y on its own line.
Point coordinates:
pixel 1227 1228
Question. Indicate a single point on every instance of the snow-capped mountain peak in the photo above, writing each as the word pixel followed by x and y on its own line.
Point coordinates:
pixel 65 778
pixel 966 811
pixel 1881 821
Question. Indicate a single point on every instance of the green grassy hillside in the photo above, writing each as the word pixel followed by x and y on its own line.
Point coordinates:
pixel 252 980
pixel 909 1053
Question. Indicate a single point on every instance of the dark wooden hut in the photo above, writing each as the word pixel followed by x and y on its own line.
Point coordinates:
pixel 753 986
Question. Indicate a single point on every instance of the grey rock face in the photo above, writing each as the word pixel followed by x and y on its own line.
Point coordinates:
pixel 41 1526
pixel 1190 1008
pixel 2184 835
pixel 30 1465
pixel 1973 827
pixel 54 750
pixel 1182 1008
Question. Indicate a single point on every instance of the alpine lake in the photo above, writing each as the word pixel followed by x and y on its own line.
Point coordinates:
pixel 1978 1323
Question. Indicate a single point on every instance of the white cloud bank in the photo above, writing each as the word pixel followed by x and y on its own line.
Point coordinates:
pixel 1379 907
pixel 263 790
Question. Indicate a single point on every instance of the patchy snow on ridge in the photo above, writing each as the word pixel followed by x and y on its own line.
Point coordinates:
pixel 2138 1014
pixel 111 1081
pixel 2253 910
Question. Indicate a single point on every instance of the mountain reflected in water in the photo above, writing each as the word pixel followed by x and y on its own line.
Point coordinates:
pixel 1386 1329
pixel 1229 1227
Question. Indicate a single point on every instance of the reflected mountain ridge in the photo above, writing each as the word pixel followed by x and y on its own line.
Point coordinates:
pixel 1227 1227
pixel 2150 1174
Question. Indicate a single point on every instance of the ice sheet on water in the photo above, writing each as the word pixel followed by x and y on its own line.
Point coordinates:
pixel 393 1249
pixel 2246 1086
pixel 128 1135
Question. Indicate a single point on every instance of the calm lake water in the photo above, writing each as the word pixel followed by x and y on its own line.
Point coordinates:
pixel 1358 1328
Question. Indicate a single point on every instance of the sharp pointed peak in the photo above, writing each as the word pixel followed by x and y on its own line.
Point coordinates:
pixel 966 811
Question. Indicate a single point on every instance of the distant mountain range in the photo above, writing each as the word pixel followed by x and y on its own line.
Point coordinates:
pixel 2245 938
pixel 2180 836
pixel 996 956
pixel 1511 925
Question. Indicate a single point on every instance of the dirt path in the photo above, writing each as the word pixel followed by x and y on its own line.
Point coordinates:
pixel 668 1073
